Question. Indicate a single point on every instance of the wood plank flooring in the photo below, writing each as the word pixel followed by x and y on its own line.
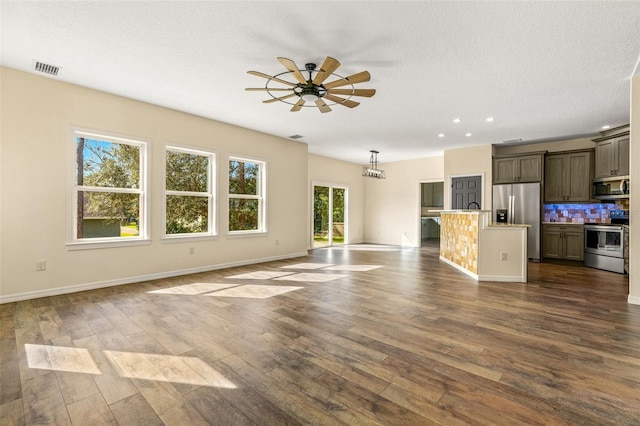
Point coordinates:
pixel 388 336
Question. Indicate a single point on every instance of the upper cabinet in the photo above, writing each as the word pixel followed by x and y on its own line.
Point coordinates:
pixel 433 194
pixel 612 153
pixel 568 176
pixel 517 169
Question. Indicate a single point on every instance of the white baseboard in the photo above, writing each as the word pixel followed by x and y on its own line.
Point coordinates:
pixel 634 300
pixel 502 278
pixel 129 280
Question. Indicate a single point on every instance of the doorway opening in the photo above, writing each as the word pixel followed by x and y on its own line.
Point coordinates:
pixel 329 216
pixel 431 198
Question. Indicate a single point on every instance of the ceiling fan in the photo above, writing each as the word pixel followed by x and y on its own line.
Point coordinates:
pixel 314 89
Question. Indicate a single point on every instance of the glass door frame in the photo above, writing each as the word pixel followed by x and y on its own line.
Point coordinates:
pixel 331 187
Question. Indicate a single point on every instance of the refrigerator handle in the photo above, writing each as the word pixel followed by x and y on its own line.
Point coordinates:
pixel 512 206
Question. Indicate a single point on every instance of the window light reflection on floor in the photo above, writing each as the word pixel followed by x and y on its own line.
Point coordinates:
pixel 60 358
pixel 261 275
pixel 254 291
pixel 308 266
pixel 167 368
pixel 195 288
pixel 311 277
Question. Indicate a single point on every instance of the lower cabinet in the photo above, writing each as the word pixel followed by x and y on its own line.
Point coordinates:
pixel 563 241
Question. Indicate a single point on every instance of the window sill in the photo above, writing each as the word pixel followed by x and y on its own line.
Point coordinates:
pixel 92 245
pixel 182 238
pixel 246 234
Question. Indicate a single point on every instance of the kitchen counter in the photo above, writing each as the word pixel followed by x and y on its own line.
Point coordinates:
pixel 567 223
pixel 482 249
pixel 460 211
pixel 516 225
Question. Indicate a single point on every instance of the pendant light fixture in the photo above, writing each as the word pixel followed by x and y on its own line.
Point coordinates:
pixel 372 170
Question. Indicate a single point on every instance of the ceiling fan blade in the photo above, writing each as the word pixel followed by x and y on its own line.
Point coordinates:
pixel 326 69
pixel 346 102
pixel 266 89
pixel 281 98
pixel 298 105
pixel 352 92
pixel 269 77
pixel 322 106
pixel 291 66
pixel 352 79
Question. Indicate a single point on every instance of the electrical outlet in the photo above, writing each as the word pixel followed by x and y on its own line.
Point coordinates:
pixel 192 250
pixel 503 255
pixel 277 242
pixel 41 265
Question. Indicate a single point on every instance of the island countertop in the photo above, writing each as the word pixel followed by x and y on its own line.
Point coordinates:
pixel 509 225
pixel 461 211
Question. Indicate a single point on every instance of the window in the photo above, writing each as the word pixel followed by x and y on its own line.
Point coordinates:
pixel 109 191
pixel 189 192
pixel 246 195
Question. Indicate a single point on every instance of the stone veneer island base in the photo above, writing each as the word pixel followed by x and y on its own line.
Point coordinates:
pixel 486 251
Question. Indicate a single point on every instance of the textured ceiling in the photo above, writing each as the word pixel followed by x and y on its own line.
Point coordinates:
pixel 543 70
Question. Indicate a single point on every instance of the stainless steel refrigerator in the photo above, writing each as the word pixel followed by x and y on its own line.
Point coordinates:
pixel 522 202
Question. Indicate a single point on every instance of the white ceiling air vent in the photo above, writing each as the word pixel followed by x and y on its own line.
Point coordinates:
pixel 46 68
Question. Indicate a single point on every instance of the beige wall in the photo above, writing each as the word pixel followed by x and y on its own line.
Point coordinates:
pixel 634 196
pixel 471 161
pixel 329 171
pixel 37 113
pixel 392 205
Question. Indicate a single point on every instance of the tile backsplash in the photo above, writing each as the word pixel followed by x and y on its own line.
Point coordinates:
pixel 581 213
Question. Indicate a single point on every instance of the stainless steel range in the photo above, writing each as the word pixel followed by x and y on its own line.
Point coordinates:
pixel 604 243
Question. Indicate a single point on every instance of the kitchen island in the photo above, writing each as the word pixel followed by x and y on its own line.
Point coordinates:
pixel 484 250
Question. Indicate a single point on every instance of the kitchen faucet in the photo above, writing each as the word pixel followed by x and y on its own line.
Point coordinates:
pixel 473 202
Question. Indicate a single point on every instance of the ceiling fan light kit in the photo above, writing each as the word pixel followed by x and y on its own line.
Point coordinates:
pixel 313 89
pixel 372 170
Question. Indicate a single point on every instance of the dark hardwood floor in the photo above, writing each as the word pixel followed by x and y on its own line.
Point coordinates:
pixel 386 336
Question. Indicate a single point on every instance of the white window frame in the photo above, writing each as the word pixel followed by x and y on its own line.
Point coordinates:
pixel 210 194
pixel 143 238
pixel 261 196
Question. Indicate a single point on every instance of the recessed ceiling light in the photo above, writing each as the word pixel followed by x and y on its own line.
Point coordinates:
pixel 489 119
pixel 441 135
pixel 457 120
pixel 467 134
pixel 606 127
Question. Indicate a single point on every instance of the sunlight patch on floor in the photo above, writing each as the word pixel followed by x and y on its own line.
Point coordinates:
pixel 60 358
pixel 195 288
pixel 261 275
pixel 356 268
pixel 307 266
pixel 311 277
pixel 167 368
pixel 254 291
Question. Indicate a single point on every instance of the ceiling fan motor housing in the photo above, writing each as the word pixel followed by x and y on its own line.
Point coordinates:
pixel 310 92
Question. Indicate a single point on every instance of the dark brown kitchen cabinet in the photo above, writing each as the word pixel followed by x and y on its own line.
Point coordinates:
pixel 612 157
pixel 517 169
pixel 612 153
pixel 567 176
pixel 563 241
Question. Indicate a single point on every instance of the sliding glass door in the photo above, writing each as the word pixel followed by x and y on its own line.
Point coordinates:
pixel 329 215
